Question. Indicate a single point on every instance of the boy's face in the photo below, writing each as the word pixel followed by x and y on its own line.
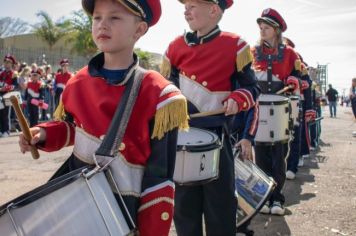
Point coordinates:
pixel 115 28
pixel 198 14
pixel 35 77
pixel 8 64
pixel 267 32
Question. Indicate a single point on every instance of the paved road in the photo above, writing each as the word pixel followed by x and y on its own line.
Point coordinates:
pixel 321 201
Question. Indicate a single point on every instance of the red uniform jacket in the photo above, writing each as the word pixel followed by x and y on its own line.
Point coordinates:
pixel 61 80
pixel 147 152
pixel 8 81
pixel 208 68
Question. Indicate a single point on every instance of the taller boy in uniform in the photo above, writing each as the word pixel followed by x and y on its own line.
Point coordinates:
pixel 208 65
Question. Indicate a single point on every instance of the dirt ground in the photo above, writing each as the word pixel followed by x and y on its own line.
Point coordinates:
pixel 320 201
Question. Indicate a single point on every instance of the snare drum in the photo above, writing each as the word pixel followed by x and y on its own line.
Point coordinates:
pixel 9 94
pixel 197 159
pixel 295 109
pixel 273 123
pixel 78 203
pixel 253 187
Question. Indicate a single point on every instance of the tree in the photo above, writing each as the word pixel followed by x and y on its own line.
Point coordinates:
pixel 13 26
pixel 49 31
pixel 145 58
pixel 80 34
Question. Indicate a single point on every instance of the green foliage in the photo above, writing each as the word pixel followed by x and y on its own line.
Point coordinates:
pixel 144 57
pixel 49 31
pixel 80 34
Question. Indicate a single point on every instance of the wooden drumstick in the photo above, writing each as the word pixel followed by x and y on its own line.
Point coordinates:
pixel 208 113
pixel 23 124
pixel 285 89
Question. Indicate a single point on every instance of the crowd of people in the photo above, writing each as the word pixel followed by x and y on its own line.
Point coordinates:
pixel 202 71
pixel 37 87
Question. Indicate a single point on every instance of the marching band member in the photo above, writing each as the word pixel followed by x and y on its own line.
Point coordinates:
pixel 308 115
pixel 276 66
pixel 295 158
pixel 205 63
pixel 34 90
pixel 8 82
pixel 60 80
pixel 353 96
pixel 91 97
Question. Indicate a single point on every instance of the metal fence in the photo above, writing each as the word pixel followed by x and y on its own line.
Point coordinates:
pixel 44 56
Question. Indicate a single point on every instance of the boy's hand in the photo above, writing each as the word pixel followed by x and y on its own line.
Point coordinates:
pixel 38 135
pixel 231 107
pixel 246 149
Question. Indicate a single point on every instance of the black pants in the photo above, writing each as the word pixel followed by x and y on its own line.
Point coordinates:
pixel 33 114
pixel 4 119
pixel 272 160
pixel 353 104
pixel 215 200
pixel 294 153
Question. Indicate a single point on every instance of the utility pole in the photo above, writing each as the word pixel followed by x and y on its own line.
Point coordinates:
pixel 323 77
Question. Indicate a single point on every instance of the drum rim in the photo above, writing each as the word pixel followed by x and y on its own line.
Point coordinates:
pixel 200 147
pixel 44 190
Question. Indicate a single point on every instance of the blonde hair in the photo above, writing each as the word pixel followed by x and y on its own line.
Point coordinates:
pixel 25 71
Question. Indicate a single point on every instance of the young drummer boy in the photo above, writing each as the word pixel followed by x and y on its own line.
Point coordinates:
pixel 205 64
pixel 147 152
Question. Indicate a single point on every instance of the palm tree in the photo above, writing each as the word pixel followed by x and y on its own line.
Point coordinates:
pixel 80 34
pixel 49 31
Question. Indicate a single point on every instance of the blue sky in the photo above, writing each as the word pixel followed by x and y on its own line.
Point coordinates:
pixel 323 30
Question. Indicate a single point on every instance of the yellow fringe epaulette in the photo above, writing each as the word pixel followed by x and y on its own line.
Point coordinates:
pixel 15 75
pixel 314 85
pixel 298 65
pixel 170 116
pixel 243 58
pixel 59 114
pixel 165 67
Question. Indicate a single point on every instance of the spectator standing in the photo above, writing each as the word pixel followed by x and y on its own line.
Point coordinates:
pixel 332 95
pixel 353 96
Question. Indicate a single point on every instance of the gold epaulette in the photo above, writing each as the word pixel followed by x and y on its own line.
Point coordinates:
pixel 15 75
pixel 243 58
pixel 170 116
pixel 298 65
pixel 165 69
pixel 59 114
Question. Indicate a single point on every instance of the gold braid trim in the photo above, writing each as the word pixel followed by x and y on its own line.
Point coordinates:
pixel 243 58
pixel 59 114
pixel 165 67
pixel 298 65
pixel 170 116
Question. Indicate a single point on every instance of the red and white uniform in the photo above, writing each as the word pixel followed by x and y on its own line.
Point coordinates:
pixel 34 90
pixel 8 81
pixel 207 86
pixel 146 159
pixel 61 80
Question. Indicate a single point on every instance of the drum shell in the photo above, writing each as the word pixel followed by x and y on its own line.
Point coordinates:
pixel 197 163
pixel 83 206
pixel 7 96
pixel 295 109
pixel 253 188
pixel 274 116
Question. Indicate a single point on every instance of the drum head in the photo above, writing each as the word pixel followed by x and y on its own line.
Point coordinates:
pixel 294 98
pixel 196 137
pixel 267 99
